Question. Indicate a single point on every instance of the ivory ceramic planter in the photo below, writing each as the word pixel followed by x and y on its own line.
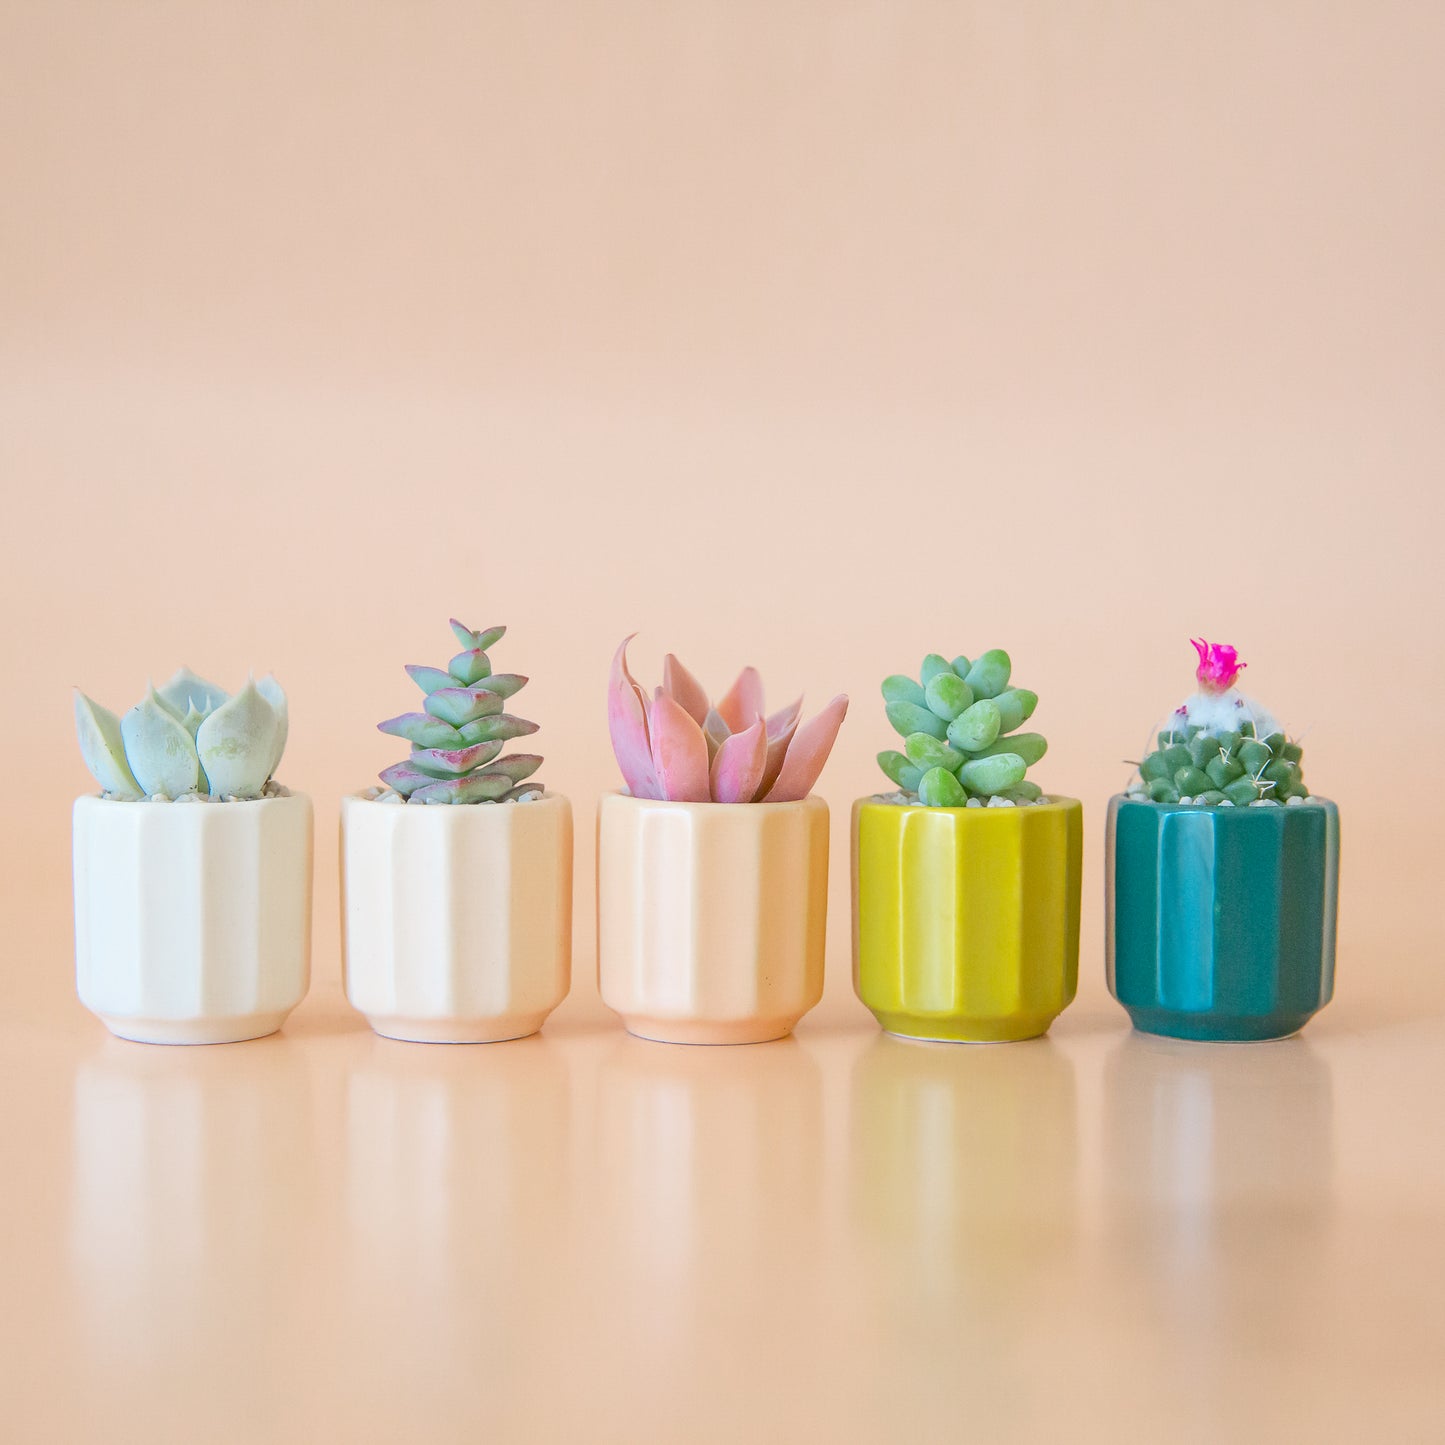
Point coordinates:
pixel 1221 921
pixel 192 919
pixel 456 920
pixel 966 920
pixel 711 917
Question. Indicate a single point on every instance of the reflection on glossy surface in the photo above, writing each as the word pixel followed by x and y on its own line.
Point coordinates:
pixel 962 1156
pixel 171 1220
pixel 840 1236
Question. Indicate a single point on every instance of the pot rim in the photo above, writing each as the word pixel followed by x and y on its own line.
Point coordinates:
pixel 292 795
pixel 619 794
pixel 1123 800
pixel 1057 802
pixel 548 796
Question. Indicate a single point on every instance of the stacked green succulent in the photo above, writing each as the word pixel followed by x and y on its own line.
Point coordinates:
pixel 1191 764
pixel 455 741
pixel 958 722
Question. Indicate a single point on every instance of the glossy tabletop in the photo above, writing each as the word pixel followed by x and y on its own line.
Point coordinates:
pixel 585 1236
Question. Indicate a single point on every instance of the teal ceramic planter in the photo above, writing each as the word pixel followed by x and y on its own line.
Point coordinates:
pixel 1221 921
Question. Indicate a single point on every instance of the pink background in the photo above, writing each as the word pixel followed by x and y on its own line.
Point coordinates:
pixel 816 336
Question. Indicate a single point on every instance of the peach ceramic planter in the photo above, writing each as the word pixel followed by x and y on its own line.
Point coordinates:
pixel 966 920
pixel 192 919
pixel 456 920
pixel 711 916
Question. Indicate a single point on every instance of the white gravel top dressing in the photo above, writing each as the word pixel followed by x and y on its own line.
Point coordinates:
pixel 271 790
pixel 390 795
pixel 910 800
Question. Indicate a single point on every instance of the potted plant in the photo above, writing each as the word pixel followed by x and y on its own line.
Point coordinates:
pixel 457 874
pixel 966 877
pixel 1223 873
pixel 192 866
pixel 712 868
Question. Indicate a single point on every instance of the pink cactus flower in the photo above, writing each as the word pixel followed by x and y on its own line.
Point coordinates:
pixel 679 747
pixel 1219 665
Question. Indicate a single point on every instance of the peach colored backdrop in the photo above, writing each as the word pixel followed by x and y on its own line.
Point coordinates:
pixel 812 335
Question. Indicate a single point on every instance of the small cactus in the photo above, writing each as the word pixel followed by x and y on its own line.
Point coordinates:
pixel 456 738
pixel 1219 747
pixel 187 738
pixel 958 722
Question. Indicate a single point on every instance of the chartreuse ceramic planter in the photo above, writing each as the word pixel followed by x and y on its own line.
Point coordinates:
pixel 1221 921
pixel 966 920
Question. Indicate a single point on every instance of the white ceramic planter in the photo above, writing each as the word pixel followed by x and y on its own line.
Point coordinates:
pixel 192 920
pixel 711 917
pixel 456 921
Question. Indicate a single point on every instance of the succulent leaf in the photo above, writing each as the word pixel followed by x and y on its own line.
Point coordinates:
pixel 938 788
pixel 516 767
pixel 103 748
pixel 780 729
pixel 472 789
pixel 482 641
pixel 1015 707
pixel 430 679
pixel 404 779
pixel 977 727
pixel 961 665
pixel 469 668
pixel 948 695
pixel 743 701
pixel 895 765
pixel 627 724
pixel 272 691
pixel 160 751
pixel 458 705
pixel 186 690
pixel 1024 792
pixel 933 666
pixel 927 752
pixel 684 689
pixel 505 684
pixel 503 726
pixel 907 718
pixel 679 752
pixel 1029 746
pixel 454 762
pixel 737 769
pixel 987 776
pixel 990 673
pixel 808 752
pixel 423 730
pixel 900 688
pixel 237 744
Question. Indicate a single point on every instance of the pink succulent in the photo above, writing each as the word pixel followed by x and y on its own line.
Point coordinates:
pixel 679 747
pixel 1219 665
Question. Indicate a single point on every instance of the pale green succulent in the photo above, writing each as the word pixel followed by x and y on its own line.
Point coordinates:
pixel 959 723
pixel 456 738
pixel 187 737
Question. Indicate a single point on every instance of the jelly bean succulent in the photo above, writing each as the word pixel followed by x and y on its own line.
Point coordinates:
pixel 456 738
pixel 677 746
pixel 959 722
pixel 1220 748
pixel 189 738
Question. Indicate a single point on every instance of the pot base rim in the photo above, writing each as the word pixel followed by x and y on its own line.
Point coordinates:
pixel 233 1029
pixel 495 1030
